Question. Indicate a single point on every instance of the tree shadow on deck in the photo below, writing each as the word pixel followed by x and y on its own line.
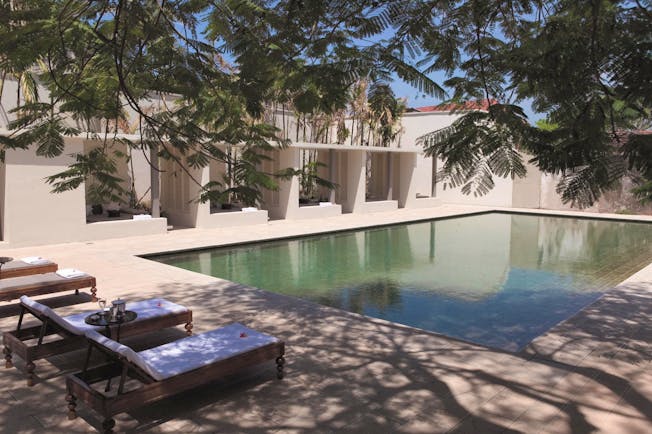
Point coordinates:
pixel 349 373
pixel 346 372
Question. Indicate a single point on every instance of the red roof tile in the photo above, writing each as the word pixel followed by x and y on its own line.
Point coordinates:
pixel 466 106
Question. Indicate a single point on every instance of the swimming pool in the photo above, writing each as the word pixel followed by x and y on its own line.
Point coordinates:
pixel 497 279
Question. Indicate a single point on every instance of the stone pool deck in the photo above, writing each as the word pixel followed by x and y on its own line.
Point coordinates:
pixel 348 373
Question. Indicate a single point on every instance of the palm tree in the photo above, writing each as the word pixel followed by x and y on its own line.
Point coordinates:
pixel 386 111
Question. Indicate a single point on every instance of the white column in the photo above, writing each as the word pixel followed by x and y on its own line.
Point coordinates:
pixel 355 181
pixel 155 191
pixel 331 173
pixel 202 209
pixel 288 191
pixel 390 175
pixel 407 190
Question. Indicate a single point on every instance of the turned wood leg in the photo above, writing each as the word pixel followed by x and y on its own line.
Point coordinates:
pixel 30 373
pixel 93 294
pixel 107 425
pixel 7 353
pixel 72 405
pixel 280 361
pixel 188 327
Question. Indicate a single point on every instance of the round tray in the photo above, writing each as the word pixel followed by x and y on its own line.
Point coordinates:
pixel 96 319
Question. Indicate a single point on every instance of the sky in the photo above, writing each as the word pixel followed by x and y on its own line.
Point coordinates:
pixel 418 99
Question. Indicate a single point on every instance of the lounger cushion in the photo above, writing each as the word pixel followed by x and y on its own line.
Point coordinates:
pixel 50 314
pixel 124 351
pixel 190 353
pixel 32 280
pixel 76 324
pixel 23 263
pixel 145 309
pixel 203 349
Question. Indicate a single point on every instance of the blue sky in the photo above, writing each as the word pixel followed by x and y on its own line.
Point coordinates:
pixel 418 99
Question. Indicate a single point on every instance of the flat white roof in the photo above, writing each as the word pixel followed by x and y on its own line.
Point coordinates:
pixel 341 147
pixel 301 145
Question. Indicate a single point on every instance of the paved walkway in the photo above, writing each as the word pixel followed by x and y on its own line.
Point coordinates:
pixel 348 373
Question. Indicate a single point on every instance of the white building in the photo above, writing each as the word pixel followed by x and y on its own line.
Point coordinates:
pixel 369 179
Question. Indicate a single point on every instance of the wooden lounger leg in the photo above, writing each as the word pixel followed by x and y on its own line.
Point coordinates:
pixel 93 294
pixel 30 373
pixel 72 406
pixel 107 425
pixel 188 328
pixel 7 353
pixel 280 361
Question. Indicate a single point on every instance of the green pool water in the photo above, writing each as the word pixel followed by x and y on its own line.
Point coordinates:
pixel 496 279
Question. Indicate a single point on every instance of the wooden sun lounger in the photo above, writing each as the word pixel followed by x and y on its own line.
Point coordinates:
pixel 48 283
pixel 168 369
pixel 27 343
pixel 18 268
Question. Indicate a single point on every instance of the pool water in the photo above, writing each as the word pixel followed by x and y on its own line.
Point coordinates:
pixel 496 279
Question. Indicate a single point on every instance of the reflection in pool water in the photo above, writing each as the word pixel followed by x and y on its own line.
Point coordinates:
pixel 495 279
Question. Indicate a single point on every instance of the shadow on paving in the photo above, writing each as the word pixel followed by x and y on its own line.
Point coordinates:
pixel 349 373
pixel 615 334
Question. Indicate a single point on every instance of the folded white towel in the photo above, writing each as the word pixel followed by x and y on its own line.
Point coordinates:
pixel 35 260
pixel 142 217
pixel 325 203
pixel 249 209
pixel 69 273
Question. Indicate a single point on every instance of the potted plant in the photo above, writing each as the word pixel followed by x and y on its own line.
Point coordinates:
pixel 113 209
pixel 309 181
pixel 241 185
pixel 101 198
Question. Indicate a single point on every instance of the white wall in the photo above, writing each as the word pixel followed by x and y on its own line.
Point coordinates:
pixel 527 190
pixel 418 124
pixel 142 176
pixel 33 214
pixel 550 199
pixel 500 195
pixel 179 193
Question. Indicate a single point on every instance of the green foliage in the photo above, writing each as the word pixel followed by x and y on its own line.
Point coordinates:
pixel 96 168
pixel 585 65
pixel 544 125
pixel 386 110
pixel 309 179
pixel 644 191
pixel 638 151
pixel 478 146
pixel 243 181
pixel 375 115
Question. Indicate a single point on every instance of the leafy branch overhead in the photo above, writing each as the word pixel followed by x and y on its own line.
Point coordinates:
pixel 95 166
pixel 192 77
pixel 478 146
pixel 581 64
